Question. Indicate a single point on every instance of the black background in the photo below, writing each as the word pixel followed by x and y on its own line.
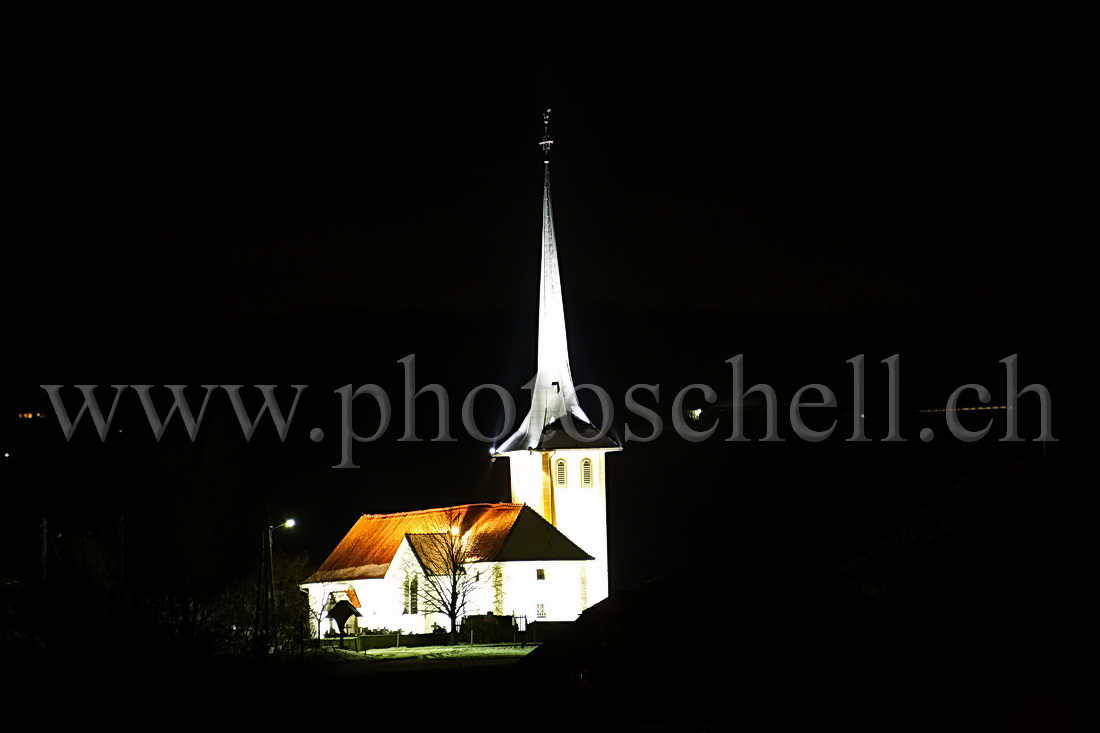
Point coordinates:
pixel 307 197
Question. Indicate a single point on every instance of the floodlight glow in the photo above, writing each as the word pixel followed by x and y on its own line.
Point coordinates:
pixel 289 523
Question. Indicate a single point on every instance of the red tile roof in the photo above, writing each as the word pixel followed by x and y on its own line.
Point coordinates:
pixel 433 551
pixel 368 548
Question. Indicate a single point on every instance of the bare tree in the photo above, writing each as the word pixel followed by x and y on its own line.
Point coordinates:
pixel 233 613
pixel 444 575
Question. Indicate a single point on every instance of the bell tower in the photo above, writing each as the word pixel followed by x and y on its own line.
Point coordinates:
pixel 556 456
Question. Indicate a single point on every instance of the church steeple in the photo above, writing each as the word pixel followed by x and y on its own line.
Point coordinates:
pixel 558 469
pixel 552 392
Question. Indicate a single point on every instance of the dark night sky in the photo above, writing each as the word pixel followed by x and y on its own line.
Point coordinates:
pixel 307 197
pixel 254 165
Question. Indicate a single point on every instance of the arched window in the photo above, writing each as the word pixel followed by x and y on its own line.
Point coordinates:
pixel 559 472
pixel 586 472
pixel 411 595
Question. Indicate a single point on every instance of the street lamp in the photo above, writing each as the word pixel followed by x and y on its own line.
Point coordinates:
pixel 265 590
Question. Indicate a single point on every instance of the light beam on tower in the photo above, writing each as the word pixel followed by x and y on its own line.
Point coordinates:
pixel 556 455
pixel 553 395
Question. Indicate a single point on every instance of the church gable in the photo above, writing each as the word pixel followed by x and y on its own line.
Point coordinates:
pixel 533 538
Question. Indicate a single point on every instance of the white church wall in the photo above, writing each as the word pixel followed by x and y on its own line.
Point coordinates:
pixel 380 604
pixel 481 599
pixel 525 469
pixel 403 568
pixel 319 596
pixel 561 592
pixel 374 604
pixel 558 591
pixel 581 514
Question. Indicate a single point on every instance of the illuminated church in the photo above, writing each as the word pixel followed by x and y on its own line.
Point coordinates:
pixel 542 556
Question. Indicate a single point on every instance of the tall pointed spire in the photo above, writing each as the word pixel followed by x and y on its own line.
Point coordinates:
pixel 552 392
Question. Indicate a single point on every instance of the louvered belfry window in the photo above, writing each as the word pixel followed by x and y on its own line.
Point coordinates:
pixel 559 472
pixel 586 472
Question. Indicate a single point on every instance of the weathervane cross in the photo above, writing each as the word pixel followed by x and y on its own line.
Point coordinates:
pixel 546 141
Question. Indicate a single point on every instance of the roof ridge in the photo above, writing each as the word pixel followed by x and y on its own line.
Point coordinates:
pixel 412 512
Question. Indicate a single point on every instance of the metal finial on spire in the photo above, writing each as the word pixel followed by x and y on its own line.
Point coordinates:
pixel 546 141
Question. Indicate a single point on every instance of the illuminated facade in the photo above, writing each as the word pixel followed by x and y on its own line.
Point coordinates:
pixel 513 562
pixel 554 563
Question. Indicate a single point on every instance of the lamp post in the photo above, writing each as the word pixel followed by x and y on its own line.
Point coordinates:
pixel 265 591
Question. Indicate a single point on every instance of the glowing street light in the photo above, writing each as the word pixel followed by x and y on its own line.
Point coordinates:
pixel 265 606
